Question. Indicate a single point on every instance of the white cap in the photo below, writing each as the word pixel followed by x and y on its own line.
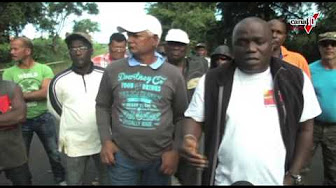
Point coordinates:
pixel 177 35
pixel 142 23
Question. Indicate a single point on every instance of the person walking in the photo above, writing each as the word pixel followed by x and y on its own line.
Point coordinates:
pixel 139 107
pixel 71 98
pixel 257 115
pixel 34 78
pixel 324 81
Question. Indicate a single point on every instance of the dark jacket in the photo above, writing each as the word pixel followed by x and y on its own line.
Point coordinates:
pixel 194 68
pixel 288 80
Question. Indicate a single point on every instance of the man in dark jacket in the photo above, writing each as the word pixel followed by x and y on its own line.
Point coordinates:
pixel 192 68
pixel 257 114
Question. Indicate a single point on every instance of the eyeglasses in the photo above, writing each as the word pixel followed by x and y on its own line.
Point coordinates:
pixel 327 43
pixel 78 49
pixel 118 49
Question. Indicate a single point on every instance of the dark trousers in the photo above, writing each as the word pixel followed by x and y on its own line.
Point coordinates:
pixel 19 175
pixel 325 135
pixel 188 174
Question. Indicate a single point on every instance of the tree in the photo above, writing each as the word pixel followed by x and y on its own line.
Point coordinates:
pixel 297 40
pixel 194 18
pixel 56 13
pixel 86 26
pixel 16 15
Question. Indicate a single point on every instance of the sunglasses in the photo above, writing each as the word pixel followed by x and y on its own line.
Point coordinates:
pixel 327 43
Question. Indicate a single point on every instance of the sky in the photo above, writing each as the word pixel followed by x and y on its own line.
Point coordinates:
pixel 111 14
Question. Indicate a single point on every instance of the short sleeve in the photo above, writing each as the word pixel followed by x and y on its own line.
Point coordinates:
pixel 196 107
pixel 47 72
pixel 311 107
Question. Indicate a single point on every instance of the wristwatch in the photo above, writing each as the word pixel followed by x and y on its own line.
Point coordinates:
pixel 297 178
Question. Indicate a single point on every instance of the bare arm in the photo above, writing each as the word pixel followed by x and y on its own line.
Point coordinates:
pixel 39 94
pixel 192 132
pixel 304 144
pixel 17 113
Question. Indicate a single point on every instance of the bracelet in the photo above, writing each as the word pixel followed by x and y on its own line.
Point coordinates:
pixel 191 136
pixel 297 178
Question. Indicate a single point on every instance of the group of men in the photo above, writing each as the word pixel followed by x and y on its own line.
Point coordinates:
pixel 141 115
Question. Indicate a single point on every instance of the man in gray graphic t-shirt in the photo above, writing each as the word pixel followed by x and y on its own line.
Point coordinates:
pixel 146 98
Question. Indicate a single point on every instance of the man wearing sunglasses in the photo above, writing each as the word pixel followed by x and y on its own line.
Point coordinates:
pixel 324 81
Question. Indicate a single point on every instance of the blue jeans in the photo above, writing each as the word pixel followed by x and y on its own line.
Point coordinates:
pixel 76 167
pixel 45 128
pixel 127 171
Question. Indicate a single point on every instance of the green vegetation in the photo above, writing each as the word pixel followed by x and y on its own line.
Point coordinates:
pixel 198 20
pixel 210 22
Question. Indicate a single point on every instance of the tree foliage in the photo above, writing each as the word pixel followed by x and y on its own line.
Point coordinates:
pixel 16 15
pixel 198 20
pixel 86 26
pixel 56 14
pixel 194 18
pixel 45 16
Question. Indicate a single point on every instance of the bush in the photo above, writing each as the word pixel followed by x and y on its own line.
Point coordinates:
pixel 44 51
pixel 5 58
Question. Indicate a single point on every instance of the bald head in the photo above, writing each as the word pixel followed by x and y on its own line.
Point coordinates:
pixel 252 45
pixel 248 22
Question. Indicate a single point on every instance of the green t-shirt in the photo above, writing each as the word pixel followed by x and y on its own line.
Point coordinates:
pixel 30 80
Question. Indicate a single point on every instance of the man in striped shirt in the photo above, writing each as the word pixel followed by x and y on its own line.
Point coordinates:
pixel 117 50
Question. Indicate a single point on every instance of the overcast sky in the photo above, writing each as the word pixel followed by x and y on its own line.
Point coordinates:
pixel 111 14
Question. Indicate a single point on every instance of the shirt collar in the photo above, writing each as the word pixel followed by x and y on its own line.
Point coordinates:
pixel 159 61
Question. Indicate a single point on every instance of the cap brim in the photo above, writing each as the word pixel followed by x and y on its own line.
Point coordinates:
pixel 129 29
pixel 324 39
pixel 74 36
pixel 177 41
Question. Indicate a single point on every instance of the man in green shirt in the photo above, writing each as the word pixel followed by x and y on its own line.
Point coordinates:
pixel 34 78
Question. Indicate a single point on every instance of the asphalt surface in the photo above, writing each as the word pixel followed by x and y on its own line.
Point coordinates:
pixel 40 169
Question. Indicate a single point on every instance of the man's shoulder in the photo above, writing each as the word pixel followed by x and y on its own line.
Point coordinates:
pixel 315 64
pixel 120 63
pixel 11 68
pixel 197 62
pixel 195 58
pixel 42 66
pixel 296 55
pixel 170 67
pixel 284 64
pixel 62 75
pixel 99 58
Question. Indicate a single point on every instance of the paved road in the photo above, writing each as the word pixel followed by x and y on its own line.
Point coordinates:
pixel 42 175
pixel 41 170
